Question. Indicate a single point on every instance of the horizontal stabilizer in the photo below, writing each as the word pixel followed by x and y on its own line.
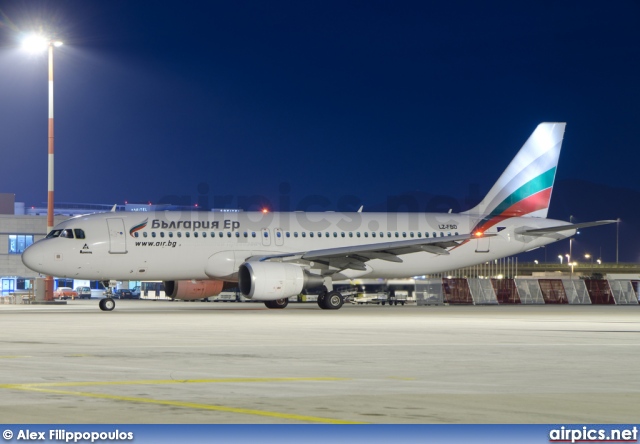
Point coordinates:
pixel 559 228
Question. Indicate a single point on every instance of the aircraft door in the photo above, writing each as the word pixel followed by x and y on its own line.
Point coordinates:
pixel 266 238
pixel 279 236
pixel 117 238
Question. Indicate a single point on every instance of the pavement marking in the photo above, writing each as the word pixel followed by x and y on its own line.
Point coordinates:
pixel 14 357
pixel 165 381
pixel 44 388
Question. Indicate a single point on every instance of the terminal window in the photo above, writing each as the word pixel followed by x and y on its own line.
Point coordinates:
pixel 19 242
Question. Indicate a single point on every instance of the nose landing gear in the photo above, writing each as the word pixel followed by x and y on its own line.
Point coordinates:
pixel 108 304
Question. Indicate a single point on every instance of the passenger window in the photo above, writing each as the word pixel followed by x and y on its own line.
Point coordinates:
pixel 295 234
pixel 335 234
pixel 435 234
pixel 170 233
pixel 187 234
pixel 80 233
pixel 246 234
pixel 411 234
pixel 457 233
pixel 266 234
pixel 373 234
pixel 327 234
pixel 366 234
pixel 311 234
pixel 220 234
pixel 134 234
pixel 287 234
pixel 153 234
pixel 179 233
pixel 237 234
pixel 304 234
pixel 426 234
pixel 343 234
pixel 228 233
pixel 404 234
pixel 419 234
pixel 195 234
pixel 278 234
pixel 388 234
pixel 162 234
pixel 350 234
pixel 358 234
pixel 204 234
pixel 144 234
pixel 253 234
pixel 397 234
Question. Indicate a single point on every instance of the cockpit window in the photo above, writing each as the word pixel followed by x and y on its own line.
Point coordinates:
pixel 53 233
pixel 68 233
pixel 79 233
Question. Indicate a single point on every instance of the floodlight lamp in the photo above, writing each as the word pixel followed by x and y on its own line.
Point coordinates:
pixel 35 43
pixel 57 43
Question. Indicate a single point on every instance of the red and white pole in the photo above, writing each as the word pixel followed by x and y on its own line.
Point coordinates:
pixel 49 279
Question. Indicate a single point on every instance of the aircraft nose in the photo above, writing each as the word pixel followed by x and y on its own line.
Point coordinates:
pixel 32 257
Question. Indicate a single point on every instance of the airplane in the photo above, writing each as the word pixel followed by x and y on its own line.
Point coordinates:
pixel 275 255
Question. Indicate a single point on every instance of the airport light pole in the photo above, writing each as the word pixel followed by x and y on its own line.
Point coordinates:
pixel 588 256
pixel 617 238
pixel 34 44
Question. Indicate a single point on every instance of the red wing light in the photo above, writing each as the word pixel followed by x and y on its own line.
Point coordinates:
pixel 265 210
pixel 478 234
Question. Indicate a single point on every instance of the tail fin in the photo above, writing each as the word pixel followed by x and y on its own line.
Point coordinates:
pixel 524 189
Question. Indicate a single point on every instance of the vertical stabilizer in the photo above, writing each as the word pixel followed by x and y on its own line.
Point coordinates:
pixel 524 189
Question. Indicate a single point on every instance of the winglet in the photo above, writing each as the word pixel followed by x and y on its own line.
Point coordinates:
pixel 113 210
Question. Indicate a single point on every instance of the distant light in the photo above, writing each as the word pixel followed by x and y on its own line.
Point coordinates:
pixel 265 210
pixel 196 205
pixel 57 43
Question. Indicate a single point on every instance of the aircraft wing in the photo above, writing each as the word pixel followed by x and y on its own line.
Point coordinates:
pixel 355 256
pixel 559 228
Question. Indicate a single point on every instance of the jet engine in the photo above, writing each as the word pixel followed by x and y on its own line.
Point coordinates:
pixel 268 281
pixel 190 290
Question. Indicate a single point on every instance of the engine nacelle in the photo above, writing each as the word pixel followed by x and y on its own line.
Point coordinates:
pixel 190 290
pixel 268 281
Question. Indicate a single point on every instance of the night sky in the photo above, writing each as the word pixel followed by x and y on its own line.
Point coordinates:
pixel 315 104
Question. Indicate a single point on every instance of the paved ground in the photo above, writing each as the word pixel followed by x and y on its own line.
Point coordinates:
pixel 180 362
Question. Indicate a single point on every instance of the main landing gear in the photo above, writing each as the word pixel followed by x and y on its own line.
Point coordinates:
pixel 330 300
pixel 278 303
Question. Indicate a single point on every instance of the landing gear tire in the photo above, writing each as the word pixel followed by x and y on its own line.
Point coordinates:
pixel 321 297
pixel 107 304
pixel 333 301
pixel 278 303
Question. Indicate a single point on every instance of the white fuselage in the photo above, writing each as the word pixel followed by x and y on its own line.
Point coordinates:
pixel 207 245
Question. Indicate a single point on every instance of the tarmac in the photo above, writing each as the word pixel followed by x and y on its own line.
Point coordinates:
pixel 151 362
